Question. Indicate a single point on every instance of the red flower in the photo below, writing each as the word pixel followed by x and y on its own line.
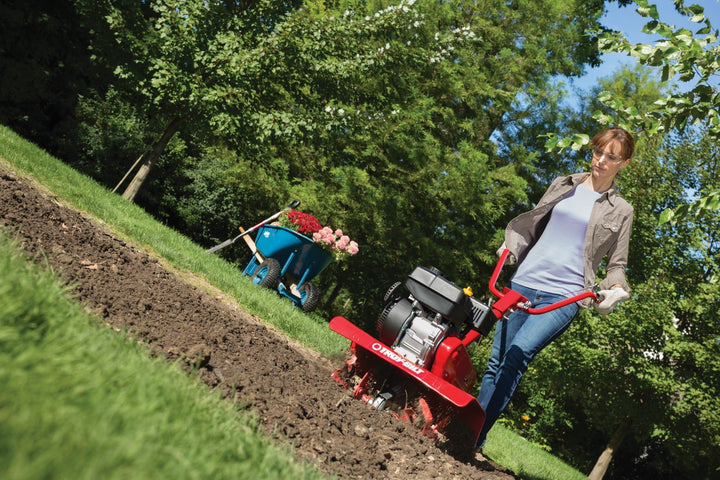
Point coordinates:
pixel 303 222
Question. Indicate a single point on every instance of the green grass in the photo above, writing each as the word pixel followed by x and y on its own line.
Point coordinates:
pixel 80 401
pixel 69 386
pixel 526 460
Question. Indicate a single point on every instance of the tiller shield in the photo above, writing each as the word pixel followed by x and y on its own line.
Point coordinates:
pixel 440 401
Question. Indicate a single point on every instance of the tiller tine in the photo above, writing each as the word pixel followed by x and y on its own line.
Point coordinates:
pixel 434 426
pixel 440 400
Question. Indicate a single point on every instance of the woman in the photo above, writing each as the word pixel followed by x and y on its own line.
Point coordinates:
pixel 558 247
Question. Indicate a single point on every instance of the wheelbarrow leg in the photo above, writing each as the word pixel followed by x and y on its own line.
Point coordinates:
pixel 253 248
pixel 291 289
pixel 303 278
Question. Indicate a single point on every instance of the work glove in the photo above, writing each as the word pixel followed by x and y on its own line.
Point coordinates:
pixel 609 299
pixel 510 260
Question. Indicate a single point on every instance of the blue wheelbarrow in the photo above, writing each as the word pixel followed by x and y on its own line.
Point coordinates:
pixel 286 261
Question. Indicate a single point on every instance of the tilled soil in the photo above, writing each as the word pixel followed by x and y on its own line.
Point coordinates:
pixel 288 388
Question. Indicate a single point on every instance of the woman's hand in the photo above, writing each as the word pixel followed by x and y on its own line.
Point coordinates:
pixel 609 299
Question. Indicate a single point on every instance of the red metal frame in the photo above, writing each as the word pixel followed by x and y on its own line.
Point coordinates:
pixel 438 394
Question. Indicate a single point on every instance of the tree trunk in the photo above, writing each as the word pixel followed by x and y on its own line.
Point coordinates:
pixel 149 158
pixel 603 462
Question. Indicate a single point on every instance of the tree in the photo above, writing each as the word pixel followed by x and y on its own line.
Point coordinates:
pixel 350 138
pixel 693 58
pixel 250 73
pixel 184 60
pixel 682 54
pixel 424 183
pixel 44 68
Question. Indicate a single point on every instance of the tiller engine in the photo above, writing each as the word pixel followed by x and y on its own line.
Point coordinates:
pixel 420 368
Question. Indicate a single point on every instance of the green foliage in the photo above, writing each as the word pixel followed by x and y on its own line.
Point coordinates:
pixel 111 131
pixel 44 67
pixel 344 105
pixel 706 203
pixel 222 193
pixel 682 53
pixel 401 178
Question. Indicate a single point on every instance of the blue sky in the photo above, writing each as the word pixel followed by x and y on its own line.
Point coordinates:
pixel 628 21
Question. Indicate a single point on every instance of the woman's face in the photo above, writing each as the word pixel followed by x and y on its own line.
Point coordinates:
pixel 607 161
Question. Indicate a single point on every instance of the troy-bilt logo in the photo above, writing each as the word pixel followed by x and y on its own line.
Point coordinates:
pixel 383 350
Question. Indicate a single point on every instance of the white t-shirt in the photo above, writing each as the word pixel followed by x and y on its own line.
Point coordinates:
pixel 555 264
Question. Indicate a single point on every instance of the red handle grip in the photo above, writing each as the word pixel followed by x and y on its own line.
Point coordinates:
pixel 561 303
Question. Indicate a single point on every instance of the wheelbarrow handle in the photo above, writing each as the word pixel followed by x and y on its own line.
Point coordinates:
pixel 292 204
pixel 224 244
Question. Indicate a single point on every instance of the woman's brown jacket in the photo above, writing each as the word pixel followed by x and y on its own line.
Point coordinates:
pixel 608 231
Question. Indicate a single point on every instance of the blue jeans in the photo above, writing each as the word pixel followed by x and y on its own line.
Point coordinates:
pixel 517 340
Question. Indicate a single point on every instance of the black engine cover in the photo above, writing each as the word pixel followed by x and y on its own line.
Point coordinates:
pixel 439 294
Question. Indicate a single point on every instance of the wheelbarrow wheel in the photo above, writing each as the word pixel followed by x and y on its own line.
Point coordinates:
pixel 309 296
pixel 267 273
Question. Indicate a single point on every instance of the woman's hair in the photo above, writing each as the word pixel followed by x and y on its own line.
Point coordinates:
pixel 622 136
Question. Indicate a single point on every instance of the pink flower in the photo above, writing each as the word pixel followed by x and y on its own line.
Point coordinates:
pixel 352 248
pixel 334 241
pixel 326 236
pixel 343 242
